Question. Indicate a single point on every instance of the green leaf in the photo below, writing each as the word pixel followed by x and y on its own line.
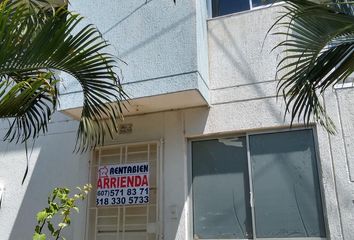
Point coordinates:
pixel 51 227
pixel 318 52
pixel 37 236
pixel 62 225
pixel 41 216
pixel 58 208
pixel 67 221
pixel 36 43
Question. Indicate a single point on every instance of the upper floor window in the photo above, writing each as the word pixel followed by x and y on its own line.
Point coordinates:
pixel 224 7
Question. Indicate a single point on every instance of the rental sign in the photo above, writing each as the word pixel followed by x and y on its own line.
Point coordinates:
pixel 124 184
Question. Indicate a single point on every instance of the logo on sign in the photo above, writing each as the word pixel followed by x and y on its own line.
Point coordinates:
pixel 103 171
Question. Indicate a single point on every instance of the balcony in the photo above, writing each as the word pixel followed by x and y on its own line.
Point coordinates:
pixel 163 45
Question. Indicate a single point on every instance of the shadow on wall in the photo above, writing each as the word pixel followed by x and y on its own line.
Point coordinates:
pixel 56 165
pixel 155 35
pixel 236 55
pixel 126 17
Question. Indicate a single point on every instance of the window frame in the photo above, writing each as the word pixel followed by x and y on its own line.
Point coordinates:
pixel 210 9
pixel 247 134
pixel 347 83
pixel 159 183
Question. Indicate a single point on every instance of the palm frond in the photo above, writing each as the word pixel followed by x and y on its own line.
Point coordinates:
pixel 30 103
pixel 34 44
pixel 318 52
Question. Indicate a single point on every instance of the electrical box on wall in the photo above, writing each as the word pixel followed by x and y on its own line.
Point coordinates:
pixel 126 128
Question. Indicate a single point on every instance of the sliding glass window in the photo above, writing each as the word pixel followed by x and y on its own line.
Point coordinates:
pixel 278 169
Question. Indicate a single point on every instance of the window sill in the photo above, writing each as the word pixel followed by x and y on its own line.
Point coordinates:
pixel 343 85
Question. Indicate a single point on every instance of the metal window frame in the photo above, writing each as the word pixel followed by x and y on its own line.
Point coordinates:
pixel 247 134
pixel 210 8
pixel 159 183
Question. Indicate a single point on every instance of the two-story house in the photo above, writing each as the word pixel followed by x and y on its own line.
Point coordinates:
pixel 203 124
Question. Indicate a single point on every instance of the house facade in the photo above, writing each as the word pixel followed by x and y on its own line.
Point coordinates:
pixel 203 124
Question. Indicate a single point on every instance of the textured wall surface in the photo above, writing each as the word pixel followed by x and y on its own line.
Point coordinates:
pixel 242 94
pixel 162 44
pixel 51 164
pixel 339 104
pixel 243 86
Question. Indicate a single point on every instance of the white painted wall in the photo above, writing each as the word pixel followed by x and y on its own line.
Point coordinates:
pixel 162 44
pixel 51 164
pixel 242 100
pixel 242 82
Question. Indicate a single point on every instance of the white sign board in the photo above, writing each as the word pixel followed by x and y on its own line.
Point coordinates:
pixel 125 184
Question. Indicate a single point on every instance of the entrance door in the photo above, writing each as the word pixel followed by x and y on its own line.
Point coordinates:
pixel 124 221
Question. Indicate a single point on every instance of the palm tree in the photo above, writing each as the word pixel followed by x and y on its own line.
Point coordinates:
pixel 39 40
pixel 318 52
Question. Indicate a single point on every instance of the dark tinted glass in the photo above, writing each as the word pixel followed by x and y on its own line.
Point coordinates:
pixel 286 186
pixel 257 3
pixel 221 189
pixel 223 7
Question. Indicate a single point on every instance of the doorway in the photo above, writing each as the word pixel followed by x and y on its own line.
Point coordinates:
pixel 124 207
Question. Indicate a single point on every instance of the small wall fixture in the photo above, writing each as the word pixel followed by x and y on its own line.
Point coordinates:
pixel 125 128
